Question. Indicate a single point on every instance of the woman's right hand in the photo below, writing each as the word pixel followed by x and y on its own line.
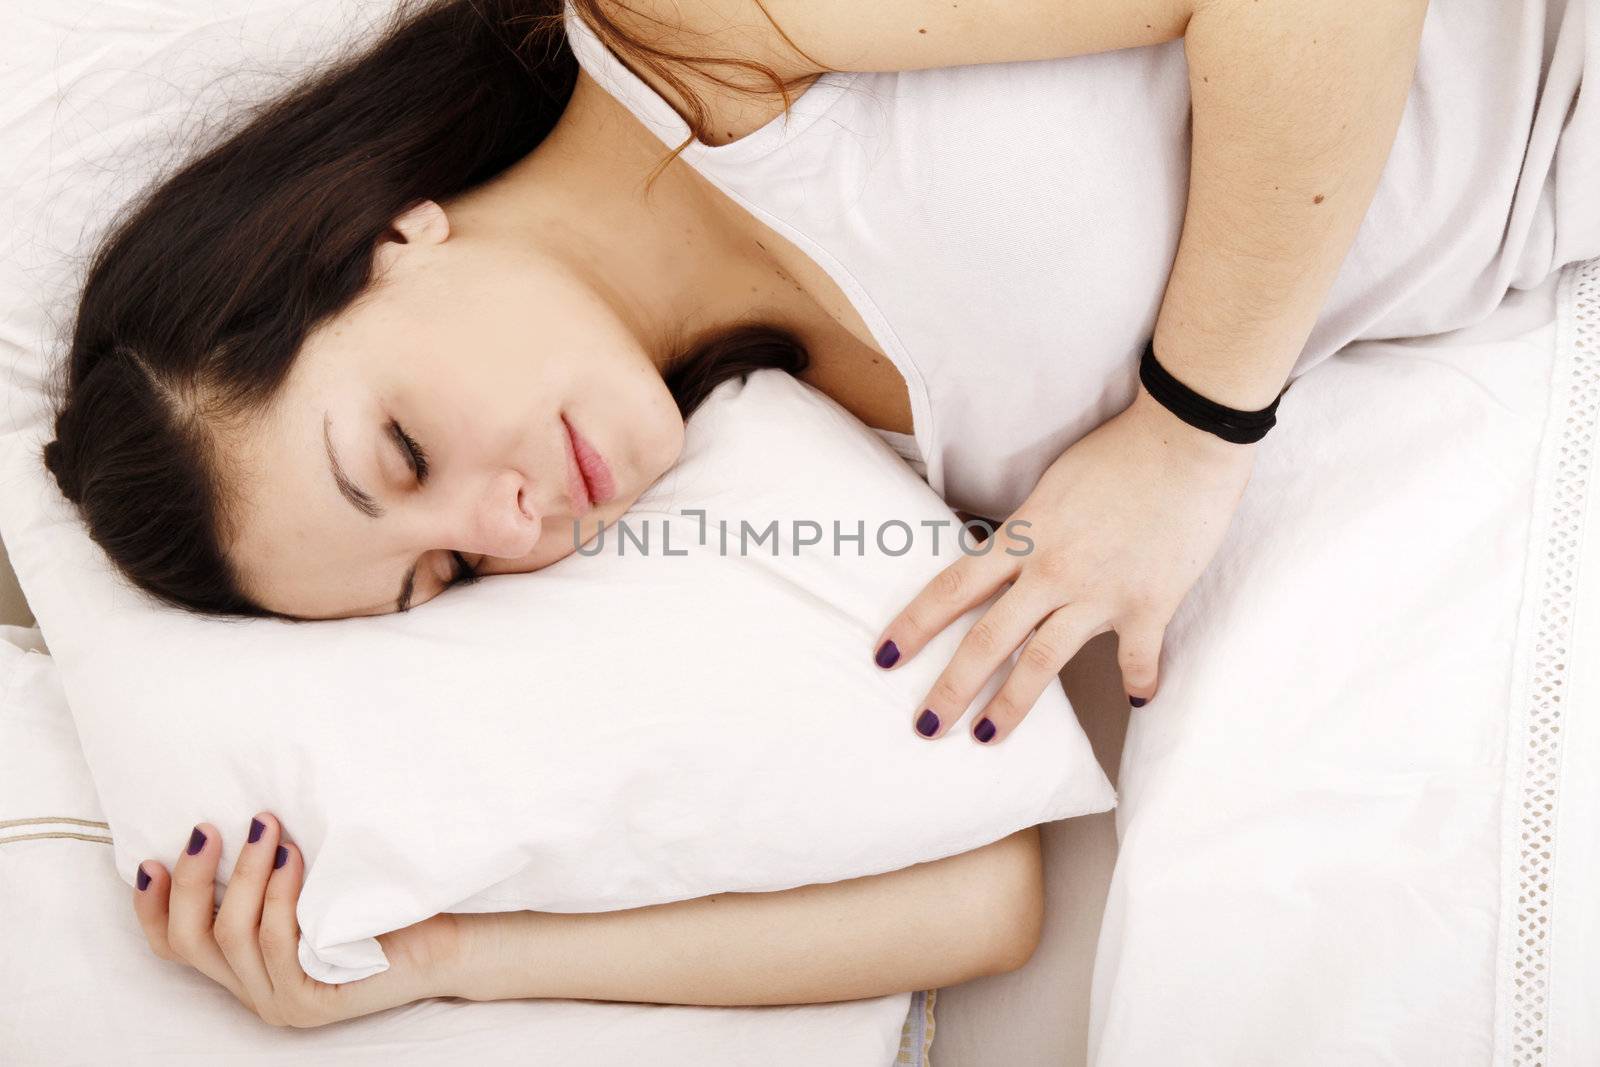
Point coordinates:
pixel 250 945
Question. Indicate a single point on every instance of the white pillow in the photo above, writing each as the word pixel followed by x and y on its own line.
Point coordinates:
pixel 613 731
pixel 78 983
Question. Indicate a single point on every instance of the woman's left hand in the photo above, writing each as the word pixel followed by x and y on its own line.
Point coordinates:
pixel 250 944
pixel 1121 527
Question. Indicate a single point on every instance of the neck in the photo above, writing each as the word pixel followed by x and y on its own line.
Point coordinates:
pixel 673 262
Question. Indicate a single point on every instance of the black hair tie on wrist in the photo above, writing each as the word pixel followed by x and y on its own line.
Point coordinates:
pixel 1230 424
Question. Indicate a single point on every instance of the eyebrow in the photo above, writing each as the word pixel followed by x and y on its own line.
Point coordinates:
pixel 359 498
pixel 363 502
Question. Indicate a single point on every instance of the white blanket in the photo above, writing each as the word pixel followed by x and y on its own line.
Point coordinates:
pixel 1360 822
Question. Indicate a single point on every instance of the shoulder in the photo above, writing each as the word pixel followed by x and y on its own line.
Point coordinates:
pixel 798 38
pixel 712 61
pixel 701 35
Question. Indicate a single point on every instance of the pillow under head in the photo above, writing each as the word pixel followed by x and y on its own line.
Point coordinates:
pixel 689 709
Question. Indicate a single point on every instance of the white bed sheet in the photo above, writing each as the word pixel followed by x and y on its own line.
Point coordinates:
pixel 1359 821
pixel 79 985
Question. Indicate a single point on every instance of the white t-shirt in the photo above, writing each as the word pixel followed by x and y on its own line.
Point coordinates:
pixel 1006 230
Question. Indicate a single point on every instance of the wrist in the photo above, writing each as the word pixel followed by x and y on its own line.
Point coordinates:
pixel 451 967
pixel 1185 442
pixel 424 959
pixel 475 971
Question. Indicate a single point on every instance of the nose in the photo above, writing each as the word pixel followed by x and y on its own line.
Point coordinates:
pixel 503 521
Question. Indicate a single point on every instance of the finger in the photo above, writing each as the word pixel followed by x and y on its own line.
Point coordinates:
pixel 982 651
pixel 1139 658
pixel 150 888
pixel 237 925
pixel 963 584
pixel 280 928
pixel 190 910
pixel 1056 641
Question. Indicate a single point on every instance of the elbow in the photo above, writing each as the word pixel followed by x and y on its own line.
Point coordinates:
pixel 984 915
pixel 1019 947
pixel 1018 904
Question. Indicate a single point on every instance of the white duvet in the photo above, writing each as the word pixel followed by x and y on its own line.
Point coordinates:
pixel 1360 823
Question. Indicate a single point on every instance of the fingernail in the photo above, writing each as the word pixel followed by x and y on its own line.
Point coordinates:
pixel 143 880
pixel 927 723
pixel 255 830
pixel 197 841
pixel 1137 702
pixel 984 731
pixel 283 854
pixel 888 655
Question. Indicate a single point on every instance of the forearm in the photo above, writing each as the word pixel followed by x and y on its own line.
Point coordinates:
pixel 925 926
pixel 1295 106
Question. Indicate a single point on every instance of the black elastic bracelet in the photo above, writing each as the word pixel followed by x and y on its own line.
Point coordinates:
pixel 1230 424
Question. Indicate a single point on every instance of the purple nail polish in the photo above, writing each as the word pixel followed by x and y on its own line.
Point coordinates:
pixel 143 880
pixel 1137 702
pixel 283 854
pixel 984 731
pixel 927 723
pixel 888 655
pixel 255 830
pixel 197 841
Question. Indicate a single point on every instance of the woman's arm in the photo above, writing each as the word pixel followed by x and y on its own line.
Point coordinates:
pixel 1295 106
pixel 934 924
pixel 925 926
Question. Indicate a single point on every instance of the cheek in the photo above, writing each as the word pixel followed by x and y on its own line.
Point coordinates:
pixel 657 429
pixel 665 444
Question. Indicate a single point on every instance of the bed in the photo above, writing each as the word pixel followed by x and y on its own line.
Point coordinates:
pixel 1359 831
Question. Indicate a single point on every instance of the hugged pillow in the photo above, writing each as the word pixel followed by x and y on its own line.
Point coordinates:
pixel 79 984
pixel 615 730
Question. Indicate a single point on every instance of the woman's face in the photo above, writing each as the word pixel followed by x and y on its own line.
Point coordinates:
pixel 493 360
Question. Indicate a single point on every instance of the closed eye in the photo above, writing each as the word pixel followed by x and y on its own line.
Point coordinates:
pixel 416 458
pixel 414 454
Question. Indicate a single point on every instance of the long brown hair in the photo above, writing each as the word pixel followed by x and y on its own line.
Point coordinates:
pixel 198 300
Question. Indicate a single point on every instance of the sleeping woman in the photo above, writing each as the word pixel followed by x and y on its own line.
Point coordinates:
pixel 442 310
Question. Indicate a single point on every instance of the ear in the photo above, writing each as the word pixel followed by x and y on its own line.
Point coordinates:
pixel 424 223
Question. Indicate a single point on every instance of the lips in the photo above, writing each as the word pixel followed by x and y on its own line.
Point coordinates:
pixel 589 479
